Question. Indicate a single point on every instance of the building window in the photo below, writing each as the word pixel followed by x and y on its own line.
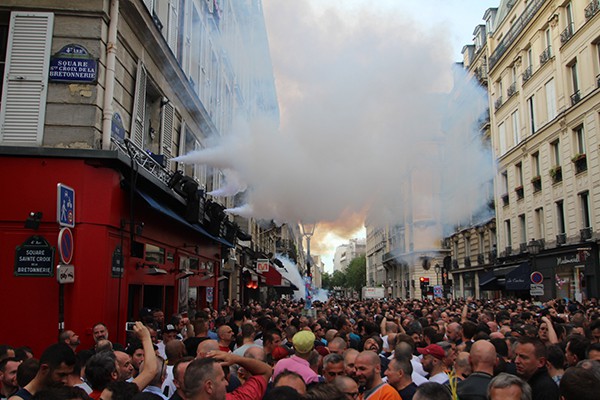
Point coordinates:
pixel 560 218
pixel 550 99
pixel 556 170
pixel 502 137
pixel 480 243
pixel 504 190
pixel 576 94
pixel 540 230
pixel 522 229
pixel 519 177
pixel 536 178
pixel 531 109
pixel 516 127
pixel 579 158
pixel 508 234
pixel 584 203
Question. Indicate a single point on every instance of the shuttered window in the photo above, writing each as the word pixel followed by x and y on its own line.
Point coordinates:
pixel 167 124
pixel 173 25
pixel 25 79
pixel 138 114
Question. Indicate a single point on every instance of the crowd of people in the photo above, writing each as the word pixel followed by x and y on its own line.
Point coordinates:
pixel 343 349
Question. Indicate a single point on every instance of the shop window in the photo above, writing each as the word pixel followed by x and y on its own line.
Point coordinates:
pixel 154 254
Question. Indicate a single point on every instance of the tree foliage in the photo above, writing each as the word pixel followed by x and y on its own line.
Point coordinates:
pixel 356 273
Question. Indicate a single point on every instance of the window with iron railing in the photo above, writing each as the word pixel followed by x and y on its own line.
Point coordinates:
pixel 567 34
pixel 546 55
pixel 527 74
pixel 592 9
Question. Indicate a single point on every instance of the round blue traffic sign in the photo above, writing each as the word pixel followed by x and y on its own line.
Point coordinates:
pixel 65 245
pixel 537 277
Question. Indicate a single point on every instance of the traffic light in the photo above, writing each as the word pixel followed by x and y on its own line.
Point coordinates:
pixel 424 284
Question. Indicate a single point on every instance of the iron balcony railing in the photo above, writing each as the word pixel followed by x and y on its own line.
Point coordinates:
pixel 546 55
pixel 592 9
pixel 143 159
pixel 512 89
pixel 498 103
pixel 567 33
pixel 527 74
pixel 515 30
pixel 575 97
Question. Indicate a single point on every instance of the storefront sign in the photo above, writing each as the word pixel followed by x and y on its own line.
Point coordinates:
pixel 569 259
pixel 35 257
pixel 73 63
pixel 209 294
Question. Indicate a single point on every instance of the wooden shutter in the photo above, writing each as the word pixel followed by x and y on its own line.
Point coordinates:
pixel 138 114
pixel 173 28
pixel 167 124
pixel 25 80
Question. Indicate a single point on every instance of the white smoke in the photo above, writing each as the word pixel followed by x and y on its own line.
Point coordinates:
pixel 291 273
pixel 365 103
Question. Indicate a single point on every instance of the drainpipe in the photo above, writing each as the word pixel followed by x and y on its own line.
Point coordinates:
pixel 109 81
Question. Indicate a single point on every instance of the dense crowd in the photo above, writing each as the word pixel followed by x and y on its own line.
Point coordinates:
pixel 344 349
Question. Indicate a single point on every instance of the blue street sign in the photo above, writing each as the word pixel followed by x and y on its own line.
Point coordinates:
pixel 65 206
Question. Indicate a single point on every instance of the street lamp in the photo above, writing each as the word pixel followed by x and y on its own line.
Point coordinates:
pixel 437 270
pixel 307 230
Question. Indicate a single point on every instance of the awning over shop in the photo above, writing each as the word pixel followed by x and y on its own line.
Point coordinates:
pixel 173 215
pixel 518 279
pixel 486 278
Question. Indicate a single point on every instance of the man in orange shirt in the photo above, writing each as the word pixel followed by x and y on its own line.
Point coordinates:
pixel 368 374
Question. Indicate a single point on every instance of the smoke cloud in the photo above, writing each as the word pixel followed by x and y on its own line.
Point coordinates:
pixel 366 100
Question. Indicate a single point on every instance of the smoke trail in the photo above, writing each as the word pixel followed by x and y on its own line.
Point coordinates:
pixel 291 273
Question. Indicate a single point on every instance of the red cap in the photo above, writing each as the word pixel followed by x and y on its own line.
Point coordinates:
pixel 279 352
pixel 433 349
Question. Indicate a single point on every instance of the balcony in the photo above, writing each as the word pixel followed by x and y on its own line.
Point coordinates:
pixel 454 264
pixel 580 161
pixel 512 89
pixel 498 103
pixel 536 182
pixel 561 238
pixel 493 256
pixel 467 261
pixel 523 247
pixel 585 233
pixel 556 174
pixel 598 80
pixel 520 192
pixel 480 259
pixel 546 55
pixel 567 34
pixel 527 74
pixel 515 30
pixel 575 97
pixel 591 9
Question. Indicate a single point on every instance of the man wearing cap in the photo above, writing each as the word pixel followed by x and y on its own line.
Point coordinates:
pixel 433 364
pixel 304 342
pixel 170 333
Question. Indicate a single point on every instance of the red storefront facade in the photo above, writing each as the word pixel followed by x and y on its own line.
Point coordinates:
pixel 108 202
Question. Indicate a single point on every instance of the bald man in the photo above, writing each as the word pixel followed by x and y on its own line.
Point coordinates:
pixel 483 361
pixel 347 385
pixel 206 346
pixel 368 374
